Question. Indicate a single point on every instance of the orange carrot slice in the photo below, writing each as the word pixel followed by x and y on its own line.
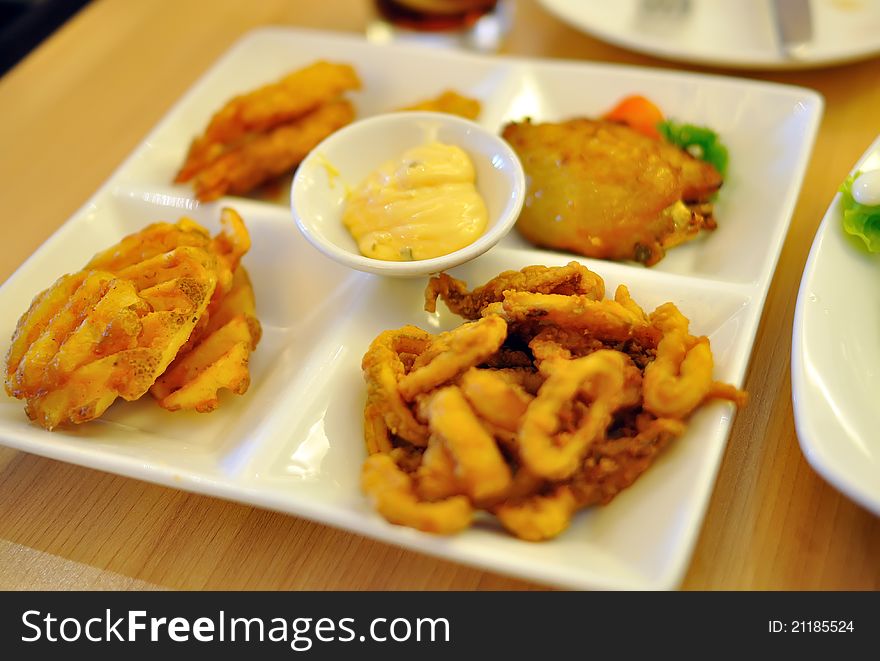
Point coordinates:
pixel 638 113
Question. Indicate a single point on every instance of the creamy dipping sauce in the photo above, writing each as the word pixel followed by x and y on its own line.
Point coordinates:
pixel 866 188
pixel 420 205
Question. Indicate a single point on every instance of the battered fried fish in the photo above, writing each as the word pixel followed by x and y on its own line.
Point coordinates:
pixel 603 190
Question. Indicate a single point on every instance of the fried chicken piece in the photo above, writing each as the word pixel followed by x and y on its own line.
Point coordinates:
pixel 604 190
pixel 266 155
pixel 567 280
pixel 293 96
pixel 450 102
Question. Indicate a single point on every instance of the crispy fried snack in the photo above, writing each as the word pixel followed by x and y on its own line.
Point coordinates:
pixel 113 338
pixel 267 132
pixel 556 399
pixel 113 328
pixel 219 358
pixel 604 190
pixel 450 102
pixel 244 167
pixel 566 280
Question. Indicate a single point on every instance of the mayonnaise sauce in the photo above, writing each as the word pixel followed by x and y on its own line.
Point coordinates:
pixel 421 205
pixel 866 188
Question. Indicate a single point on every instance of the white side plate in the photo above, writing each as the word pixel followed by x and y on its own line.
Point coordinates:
pixel 294 442
pixel 835 357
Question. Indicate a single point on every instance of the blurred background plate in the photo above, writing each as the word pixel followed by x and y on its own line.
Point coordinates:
pixel 749 34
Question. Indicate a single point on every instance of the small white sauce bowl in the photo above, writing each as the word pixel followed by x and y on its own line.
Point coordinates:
pixel 318 194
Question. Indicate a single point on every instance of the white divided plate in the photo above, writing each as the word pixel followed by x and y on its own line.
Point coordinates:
pixel 739 34
pixel 294 442
pixel 835 357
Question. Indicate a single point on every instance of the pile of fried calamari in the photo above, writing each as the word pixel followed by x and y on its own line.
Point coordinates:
pixel 266 133
pixel 552 398
pixel 168 309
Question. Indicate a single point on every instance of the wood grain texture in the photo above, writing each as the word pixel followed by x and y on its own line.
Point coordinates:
pixel 79 104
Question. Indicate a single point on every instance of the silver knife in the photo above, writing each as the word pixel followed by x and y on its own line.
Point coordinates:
pixel 793 20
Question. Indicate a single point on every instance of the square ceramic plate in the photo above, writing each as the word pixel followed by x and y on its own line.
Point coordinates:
pixel 294 442
pixel 835 356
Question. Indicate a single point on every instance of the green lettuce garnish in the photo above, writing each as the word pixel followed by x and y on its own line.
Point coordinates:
pixel 860 220
pixel 700 141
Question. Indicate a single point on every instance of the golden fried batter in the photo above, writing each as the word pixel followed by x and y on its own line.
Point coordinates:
pixel 607 379
pixel 451 353
pixel 573 278
pixel 218 358
pixel 560 408
pixel 383 369
pixel 450 102
pixel 243 167
pixel 479 465
pixel 256 112
pixel 394 496
pixel 112 329
pixel 604 190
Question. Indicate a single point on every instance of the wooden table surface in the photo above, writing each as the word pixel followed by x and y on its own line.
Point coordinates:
pixel 80 103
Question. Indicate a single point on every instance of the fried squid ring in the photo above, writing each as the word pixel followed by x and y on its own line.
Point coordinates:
pixel 679 378
pixel 609 381
pixel 540 517
pixel 436 478
pixel 451 353
pixel 605 320
pixel 495 399
pixel 394 497
pixel 558 343
pixel 573 278
pixel 383 369
pixel 480 466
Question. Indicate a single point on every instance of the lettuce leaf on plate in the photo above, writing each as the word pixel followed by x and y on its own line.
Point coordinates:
pixel 860 220
pixel 700 141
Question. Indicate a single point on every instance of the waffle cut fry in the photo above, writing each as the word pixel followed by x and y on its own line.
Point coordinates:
pixel 144 304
